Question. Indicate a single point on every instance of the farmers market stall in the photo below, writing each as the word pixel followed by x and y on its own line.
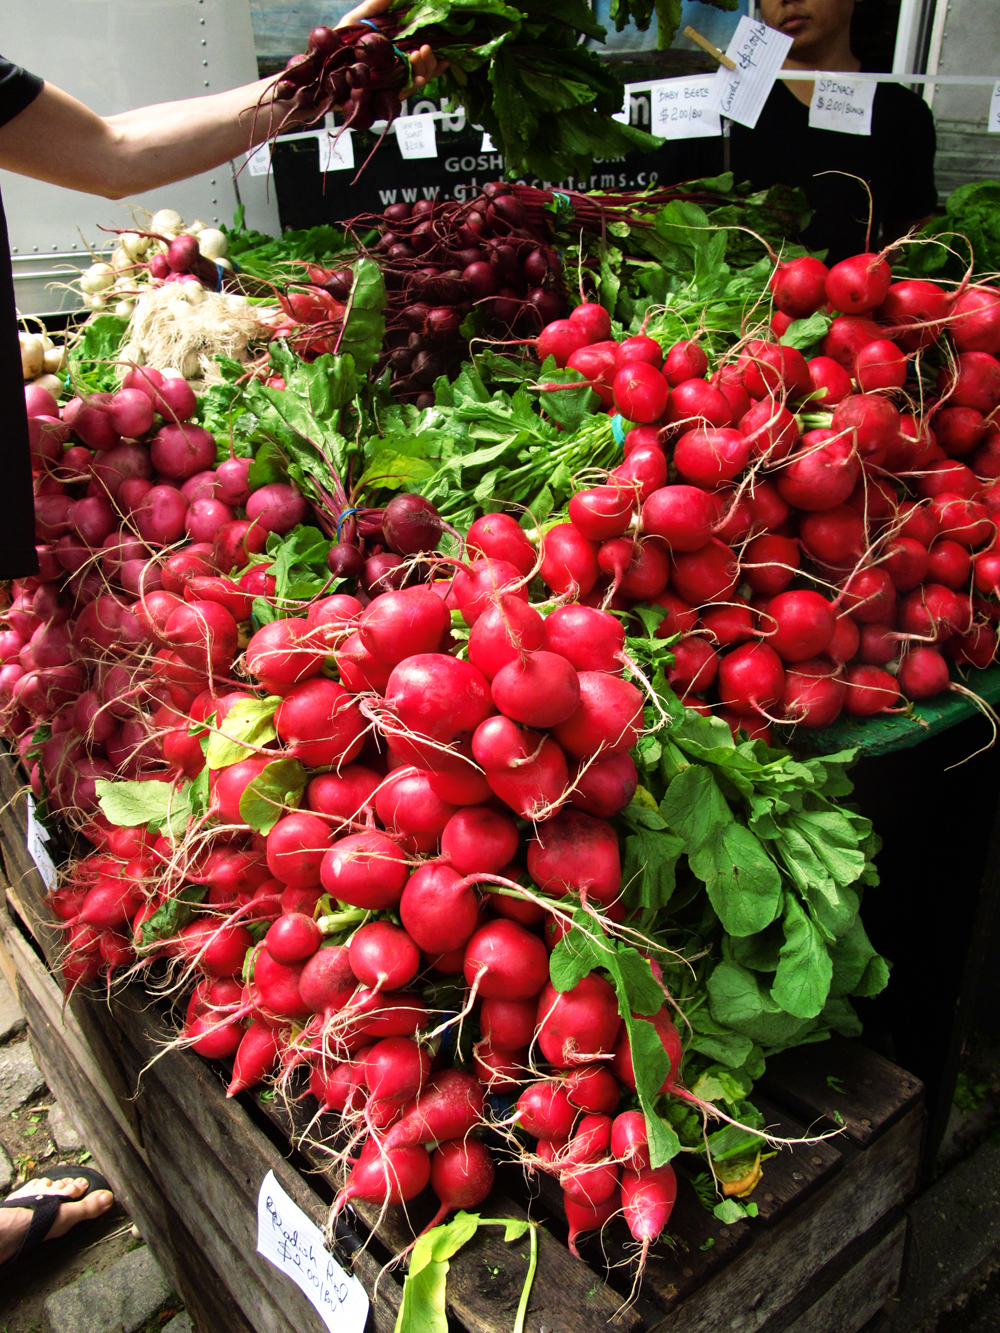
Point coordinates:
pixel 432 733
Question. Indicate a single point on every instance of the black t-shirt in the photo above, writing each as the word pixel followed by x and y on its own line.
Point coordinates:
pixel 18 89
pixel 896 159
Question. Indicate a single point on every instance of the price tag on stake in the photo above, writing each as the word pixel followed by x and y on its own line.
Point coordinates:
pixel 38 836
pixel 416 137
pixel 337 156
pixel 259 161
pixel 680 108
pixel 287 1238
pixel 758 52
pixel 842 103
pixel 993 124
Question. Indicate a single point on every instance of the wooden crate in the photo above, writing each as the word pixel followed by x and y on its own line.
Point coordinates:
pixel 823 1257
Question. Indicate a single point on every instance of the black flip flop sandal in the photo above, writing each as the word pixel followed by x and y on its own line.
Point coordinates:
pixel 45 1207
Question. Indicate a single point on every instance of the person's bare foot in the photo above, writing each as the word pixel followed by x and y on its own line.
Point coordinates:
pixel 14 1222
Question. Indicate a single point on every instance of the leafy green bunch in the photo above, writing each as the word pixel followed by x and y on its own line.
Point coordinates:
pixel 668 16
pixel 526 76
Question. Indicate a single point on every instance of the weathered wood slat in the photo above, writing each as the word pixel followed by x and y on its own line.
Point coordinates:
pixel 857 1296
pixel 795 1171
pixel 767 1275
pixel 840 1083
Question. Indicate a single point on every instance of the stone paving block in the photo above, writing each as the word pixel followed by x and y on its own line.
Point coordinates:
pixel 11 1018
pixel 19 1077
pixel 6 1171
pixel 121 1299
pixel 180 1324
pixel 954 1240
pixel 63 1131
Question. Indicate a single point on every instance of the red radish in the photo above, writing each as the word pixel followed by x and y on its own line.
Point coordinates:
pixel 640 392
pixel 327 981
pixel 438 910
pixel 399 624
pixel 407 804
pixel 834 536
pixel 959 429
pixel 569 560
pixel 869 691
pixel 365 870
pixel 670 1038
pixel 804 624
pixel 708 457
pixel 607 719
pixel 396 1068
pixel 596 364
pixel 339 1088
pixel 293 938
pixel 462 1175
pixel 589 639
pixel 977 648
pixel 639 348
pixel 538 689
pixel 697 402
pixel 682 515
pixel 728 624
pixel 560 339
pixel 871 421
pixel 479 840
pixel 319 723
pixel 648 1198
pixel 906 563
pixel 256 1057
pixel 276 655
pixel 917 521
pixel 386 1176
pixel 580 1025
pixel 771 368
pixel 946 562
pixel 574 852
pixel 499 1071
pixel 644 469
pixel 878 645
pixel 359 671
pixel 475 588
pixel 770 563
pixel 629 1144
pixel 437 696
pixel 798 287
pixel 770 429
pixel 943 475
pixel 695 665
pixel 449 1106
pixel 831 382
pixel 820 473
pixel 932 612
pixel 593 318
pixel 500 537
pixel 545 1111
pixel 593 1088
pixel 506 628
pixel 869 595
pixel 846 337
pixel 508 1024
pixel 345 795
pixel 684 361
pixel 296 847
pixel 707 575
pixel 277 507
pixel 640 569
pixel 382 956
pixel 923 673
pixel 880 365
pixel 975 321
pixel 814 693
pixel 974 382
pixel 509 962
pixel 605 787
pixel 915 312
pixel 525 775
pixel 963 521
pixel 858 284
pixel 729 382
pixel 601 512
pixel 583 1217
pixel 751 678
pixel 591 1184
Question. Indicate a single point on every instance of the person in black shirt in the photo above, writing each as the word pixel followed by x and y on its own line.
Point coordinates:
pixel 46 134
pixel 896 160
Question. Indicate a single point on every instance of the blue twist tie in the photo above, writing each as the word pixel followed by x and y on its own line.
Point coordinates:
pixel 367 23
pixel 219 274
pixel 617 429
pixel 340 521
pixel 560 194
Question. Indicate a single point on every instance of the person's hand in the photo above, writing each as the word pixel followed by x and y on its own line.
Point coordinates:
pixel 424 63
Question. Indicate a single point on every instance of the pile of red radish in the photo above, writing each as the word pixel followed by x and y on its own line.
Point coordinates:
pixel 822 532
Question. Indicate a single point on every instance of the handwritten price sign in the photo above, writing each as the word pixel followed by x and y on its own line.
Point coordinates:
pixel 287 1238
pixel 758 53
pixel 416 137
pixel 843 104
pixel 680 108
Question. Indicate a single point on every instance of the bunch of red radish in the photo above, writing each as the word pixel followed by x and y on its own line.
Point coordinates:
pixel 419 825
pixel 822 532
pixel 120 480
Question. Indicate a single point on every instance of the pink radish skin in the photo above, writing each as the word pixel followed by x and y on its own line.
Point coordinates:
pixel 479 840
pixel 344 794
pixel 505 629
pixel 396 1068
pixel 509 962
pixel 589 1184
pixel 462 1175
pixel 923 673
pixel 869 691
pixel 407 804
pixel 538 689
pixel 256 1058
pixel 684 516
pixel 382 956
pixel 438 909
pixel 814 693
pixel 648 1198
pixel 508 1025
pixel 589 639
pixel 605 787
pixel 706 575
pixel 387 1176
pixel 296 847
pixel 525 775
pixel 751 677
pixel 399 624
pixel 293 938
pixel 580 1025
pixel 366 870
pixel 803 625
pixel 573 852
pixel 669 1036
pixel 327 981
pixel 545 1111
pixel 569 560
pixel 594 1089
pixel 501 538
pixel 608 717
pixel 450 1106
pixel 629 1144
pixel 583 1217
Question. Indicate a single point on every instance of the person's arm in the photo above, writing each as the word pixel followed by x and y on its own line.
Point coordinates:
pixel 58 139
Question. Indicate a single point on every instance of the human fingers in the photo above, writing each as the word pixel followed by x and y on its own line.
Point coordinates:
pixel 425 66
pixel 366 10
